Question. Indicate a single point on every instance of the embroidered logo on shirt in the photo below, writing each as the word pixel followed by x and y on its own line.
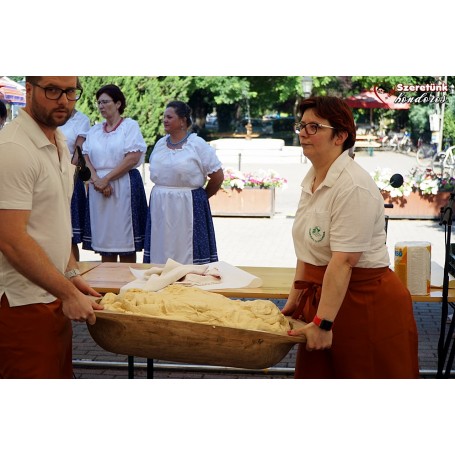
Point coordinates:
pixel 316 234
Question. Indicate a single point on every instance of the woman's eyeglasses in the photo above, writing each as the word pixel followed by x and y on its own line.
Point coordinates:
pixel 311 128
pixel 103 102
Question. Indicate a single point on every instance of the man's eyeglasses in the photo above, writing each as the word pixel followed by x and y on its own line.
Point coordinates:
pixel 311 128
pixel 103 102
pixel 55 93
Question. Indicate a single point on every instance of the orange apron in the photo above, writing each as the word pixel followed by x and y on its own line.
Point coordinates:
pixel 35 341
pixel 374 334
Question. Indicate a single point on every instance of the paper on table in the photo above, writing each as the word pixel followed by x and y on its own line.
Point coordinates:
pixel 231 277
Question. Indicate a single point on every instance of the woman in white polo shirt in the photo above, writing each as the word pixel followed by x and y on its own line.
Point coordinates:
pixel 359 314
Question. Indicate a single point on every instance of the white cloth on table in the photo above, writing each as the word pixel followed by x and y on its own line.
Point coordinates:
pixel 159 277
pixel 231 277
pixel 106 151
pixel 175 174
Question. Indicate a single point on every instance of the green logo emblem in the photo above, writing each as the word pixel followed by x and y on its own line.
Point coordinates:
pixel 316 234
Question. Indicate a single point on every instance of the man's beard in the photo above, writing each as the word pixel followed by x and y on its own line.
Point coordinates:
pixel 47 117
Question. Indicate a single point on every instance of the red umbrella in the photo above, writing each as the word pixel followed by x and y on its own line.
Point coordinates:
pixel 375 100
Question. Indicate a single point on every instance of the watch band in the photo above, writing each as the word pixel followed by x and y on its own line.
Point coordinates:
pixel 323 324
pixel 72 273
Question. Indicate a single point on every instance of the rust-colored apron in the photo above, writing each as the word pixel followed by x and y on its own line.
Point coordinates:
pixel 374 334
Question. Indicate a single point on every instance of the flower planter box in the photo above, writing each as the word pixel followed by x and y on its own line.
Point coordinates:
pixel 247 202
pixel 416 205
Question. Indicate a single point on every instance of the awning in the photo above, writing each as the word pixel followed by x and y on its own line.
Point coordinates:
pixel 11 92
pixel 374 100
pixel 12 96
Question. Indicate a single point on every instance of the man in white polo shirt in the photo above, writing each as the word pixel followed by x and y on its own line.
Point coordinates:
pixel 40 287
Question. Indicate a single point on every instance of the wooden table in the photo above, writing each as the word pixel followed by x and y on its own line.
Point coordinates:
pixel 277 281
pixel 110 277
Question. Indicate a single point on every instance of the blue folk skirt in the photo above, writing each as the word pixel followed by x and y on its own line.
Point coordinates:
pixel 204 241
pixel 78 207
pixel 138 213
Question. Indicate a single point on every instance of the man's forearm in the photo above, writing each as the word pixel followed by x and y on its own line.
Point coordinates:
pixel 30 260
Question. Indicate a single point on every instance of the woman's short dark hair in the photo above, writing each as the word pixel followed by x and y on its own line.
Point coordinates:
pixel 182 110
pixel 336 111
pixel 115 93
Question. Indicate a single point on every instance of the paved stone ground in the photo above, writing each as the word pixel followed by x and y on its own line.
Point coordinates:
pixel 268 242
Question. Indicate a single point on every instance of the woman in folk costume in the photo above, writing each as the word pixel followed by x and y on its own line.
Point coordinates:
pixel 75 131
pixel 180 225
pixel 117 205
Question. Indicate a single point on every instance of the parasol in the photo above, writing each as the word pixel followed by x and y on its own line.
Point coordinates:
pixel 374 100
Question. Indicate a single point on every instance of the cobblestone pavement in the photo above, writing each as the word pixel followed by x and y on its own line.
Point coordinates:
pixel 268 242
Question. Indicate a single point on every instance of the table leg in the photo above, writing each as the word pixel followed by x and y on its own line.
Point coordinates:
pixel 149 368
pixel 130 367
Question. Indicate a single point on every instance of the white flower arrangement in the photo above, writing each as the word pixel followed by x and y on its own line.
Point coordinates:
pixel 423 180
pixel 258 179
pixel 382 178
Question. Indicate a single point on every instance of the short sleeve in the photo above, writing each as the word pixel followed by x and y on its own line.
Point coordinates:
pixel 134 141
pixel 83 126
pixel 207 155
pixel 17 178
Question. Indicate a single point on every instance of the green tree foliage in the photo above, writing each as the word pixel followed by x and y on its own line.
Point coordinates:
pixel 232 95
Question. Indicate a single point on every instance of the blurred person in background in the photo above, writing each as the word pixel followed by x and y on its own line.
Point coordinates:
pixel 75 131
pixel 116 202
pixel 359 315
pixel 3 114
pixel 41 289
pixel 179 223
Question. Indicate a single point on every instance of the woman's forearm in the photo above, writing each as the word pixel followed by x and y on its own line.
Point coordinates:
pixel 335 283
pixel 129 162
pixel 215 182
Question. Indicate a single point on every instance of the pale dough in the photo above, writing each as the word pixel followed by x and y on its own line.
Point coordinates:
pixel 196 305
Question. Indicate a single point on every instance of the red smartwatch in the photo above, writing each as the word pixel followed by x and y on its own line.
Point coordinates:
pixel 323 324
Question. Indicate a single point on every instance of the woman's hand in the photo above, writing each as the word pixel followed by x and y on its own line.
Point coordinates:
pixel 289 307
pixel 108 191
pixel 101 184
pixel 316 338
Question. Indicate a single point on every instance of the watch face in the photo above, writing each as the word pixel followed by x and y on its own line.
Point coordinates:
pixel 326 325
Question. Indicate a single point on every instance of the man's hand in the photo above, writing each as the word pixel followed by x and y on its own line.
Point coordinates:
pixel 81 308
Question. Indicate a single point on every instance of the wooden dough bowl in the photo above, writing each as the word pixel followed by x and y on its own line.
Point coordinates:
pixel 189 342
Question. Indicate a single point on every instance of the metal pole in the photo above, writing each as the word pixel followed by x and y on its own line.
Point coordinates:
pixel 190 367
pixel 441 121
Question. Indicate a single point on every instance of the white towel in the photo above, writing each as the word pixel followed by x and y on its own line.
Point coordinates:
pixel 216 275
pixel 158 278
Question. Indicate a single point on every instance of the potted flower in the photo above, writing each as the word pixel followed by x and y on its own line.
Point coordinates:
pixel 247 193
pixel 422 194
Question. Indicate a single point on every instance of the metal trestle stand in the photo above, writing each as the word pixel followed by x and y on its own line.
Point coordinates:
pixel 446 345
